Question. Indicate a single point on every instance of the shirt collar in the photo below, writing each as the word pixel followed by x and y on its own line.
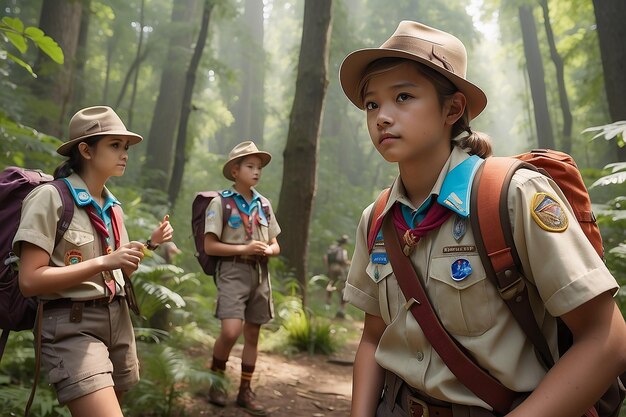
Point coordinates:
pixel 452 188
pixel 83 198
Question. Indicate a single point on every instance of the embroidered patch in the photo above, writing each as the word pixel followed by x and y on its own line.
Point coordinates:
pixel 459 228
pixel 460 269
pixel 83 196
pixel 73 256
pixel 459 249
pixel 234 222
pixel 548 213
pixel 210 214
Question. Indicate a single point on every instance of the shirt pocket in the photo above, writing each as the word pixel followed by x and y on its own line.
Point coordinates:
pixel 465 307
pixel 380 273
pixel 77 245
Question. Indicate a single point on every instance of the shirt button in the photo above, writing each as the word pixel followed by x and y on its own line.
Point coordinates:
pixel 420 356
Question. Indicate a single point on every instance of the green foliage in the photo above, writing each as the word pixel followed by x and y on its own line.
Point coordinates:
pixel 306 333
pixel 13 31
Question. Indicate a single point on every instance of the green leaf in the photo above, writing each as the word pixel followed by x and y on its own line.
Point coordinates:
pixel 13 23
pixel 50 48
pixel 34 33
pixel 18 40
pixel 21 63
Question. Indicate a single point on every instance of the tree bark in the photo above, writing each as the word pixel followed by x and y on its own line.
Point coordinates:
pixel 301 151
pixel 610 18
pixel 133 94
pixel 534 66
pixel 161 139
pixel 566 144
pixel 180 155
pixel 81 58
pixel 61 21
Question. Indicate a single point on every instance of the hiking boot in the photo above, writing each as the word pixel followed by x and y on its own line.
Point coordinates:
pixel 247 400
pixel 218 396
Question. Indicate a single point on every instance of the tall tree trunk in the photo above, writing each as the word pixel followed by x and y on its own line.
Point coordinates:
pixel 61 21
pixel 566 144
pixel 610 18
pixel 81 58
pixel 161 139
pixel 301 152
pixel 180 155
pixel 137 58
pixel 534 66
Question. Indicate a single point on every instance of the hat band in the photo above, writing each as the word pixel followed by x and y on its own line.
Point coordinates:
pixel 420 48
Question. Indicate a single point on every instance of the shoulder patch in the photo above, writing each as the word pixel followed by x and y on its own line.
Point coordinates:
pixel 548 213
pixel 227 193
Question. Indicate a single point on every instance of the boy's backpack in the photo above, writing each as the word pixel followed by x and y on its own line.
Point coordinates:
pixel 198 217
pixel 494 240
pixel 16 311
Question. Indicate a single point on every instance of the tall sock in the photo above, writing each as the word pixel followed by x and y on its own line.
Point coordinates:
pixel 219 365
pixel 246 375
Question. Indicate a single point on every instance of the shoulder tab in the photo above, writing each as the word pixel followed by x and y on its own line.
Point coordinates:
pixel 227 193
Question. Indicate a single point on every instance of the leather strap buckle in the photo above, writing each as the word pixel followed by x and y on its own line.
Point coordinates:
pixel 417 407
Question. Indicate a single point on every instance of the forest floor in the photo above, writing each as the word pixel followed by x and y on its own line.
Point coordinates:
pixel 299 385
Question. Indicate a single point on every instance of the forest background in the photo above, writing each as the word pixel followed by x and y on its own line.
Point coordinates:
pixel 196 77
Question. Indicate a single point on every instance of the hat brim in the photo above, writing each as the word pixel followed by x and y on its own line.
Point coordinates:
pixel 67 146
pixel 226 170
pixel 354 65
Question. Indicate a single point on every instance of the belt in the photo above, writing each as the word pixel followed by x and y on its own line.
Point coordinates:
pixel 419 408
pixel 68 302
pixel 245 259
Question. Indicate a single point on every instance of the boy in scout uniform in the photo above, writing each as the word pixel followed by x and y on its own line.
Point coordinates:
pixel 87 339
pixel 246 241
pixel 418 106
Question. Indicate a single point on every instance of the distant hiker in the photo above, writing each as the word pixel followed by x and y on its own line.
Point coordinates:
pixel 244 242
pixel 337 262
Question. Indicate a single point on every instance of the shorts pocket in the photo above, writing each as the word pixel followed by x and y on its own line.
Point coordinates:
pixel 464 306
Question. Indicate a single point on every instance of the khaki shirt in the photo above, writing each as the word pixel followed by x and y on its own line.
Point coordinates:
pixel 41 210
pixel 563 269
pixel 234 232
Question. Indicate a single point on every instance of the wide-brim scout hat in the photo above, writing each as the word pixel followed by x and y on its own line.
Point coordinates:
pixel 95 121
pixel 242 150
pixel 436 49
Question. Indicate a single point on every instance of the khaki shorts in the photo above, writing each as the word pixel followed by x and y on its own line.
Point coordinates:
pixel 98 352
pixel 240 295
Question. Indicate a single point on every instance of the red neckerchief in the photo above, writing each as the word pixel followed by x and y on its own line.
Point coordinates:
pixel 435 217
pixel 103 232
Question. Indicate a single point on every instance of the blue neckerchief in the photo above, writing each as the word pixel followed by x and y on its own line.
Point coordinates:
pixel 248 208
pixel 457 186
pixel 415 217
pixel 83 198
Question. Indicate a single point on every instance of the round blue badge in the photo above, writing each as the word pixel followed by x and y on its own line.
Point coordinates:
pixel 83 196
pixel 461 269
pixel 234 222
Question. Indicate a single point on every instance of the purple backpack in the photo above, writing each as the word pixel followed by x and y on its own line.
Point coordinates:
pixel 16 311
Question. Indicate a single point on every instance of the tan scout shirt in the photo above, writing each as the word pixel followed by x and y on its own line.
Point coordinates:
pixel 237 235
pixel 564 267
pixel 41 210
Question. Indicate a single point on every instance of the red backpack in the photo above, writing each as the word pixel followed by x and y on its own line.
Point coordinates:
pixel 16 311
pixel 198 217
pixel 494 240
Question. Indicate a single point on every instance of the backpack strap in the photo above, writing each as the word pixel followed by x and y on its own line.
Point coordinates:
pixel 62 225
pixel 491 225
pixel 227 208
pixel 476 379
pixel 375 217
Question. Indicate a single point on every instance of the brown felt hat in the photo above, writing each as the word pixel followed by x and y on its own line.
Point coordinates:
pixel 242 150
pixel 95 121
pixel 417 42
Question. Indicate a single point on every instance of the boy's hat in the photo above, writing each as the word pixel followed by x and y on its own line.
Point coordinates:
pixel 244 149
pixel 95 121
pixel 343 239
pixel 436 49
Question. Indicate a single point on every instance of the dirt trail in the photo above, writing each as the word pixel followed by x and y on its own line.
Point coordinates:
pixel 296 386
